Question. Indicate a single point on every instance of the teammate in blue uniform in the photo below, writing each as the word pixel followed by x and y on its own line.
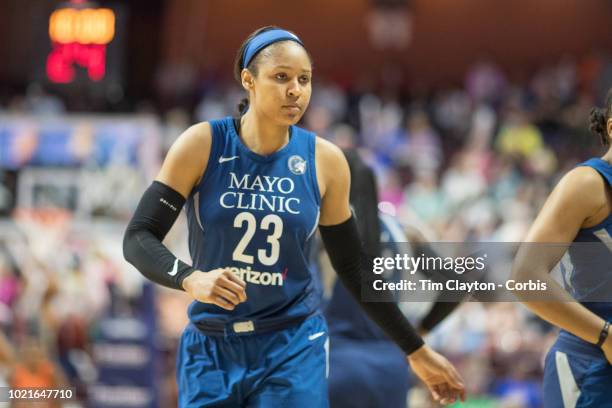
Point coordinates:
pixel 256 189
pixel 578 212
pixel 366 368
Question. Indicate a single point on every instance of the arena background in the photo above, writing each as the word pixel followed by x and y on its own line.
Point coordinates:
pixel 469 111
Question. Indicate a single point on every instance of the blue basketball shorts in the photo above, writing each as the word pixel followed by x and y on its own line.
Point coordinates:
pixel 576 375
pixel 367 374
pixel 285 368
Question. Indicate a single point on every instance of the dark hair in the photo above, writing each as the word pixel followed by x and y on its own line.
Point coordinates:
pixel 599 120
pixel 253 65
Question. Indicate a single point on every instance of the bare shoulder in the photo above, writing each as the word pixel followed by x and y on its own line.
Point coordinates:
pixel 196 136
pixel 329 155
pixel 187 158
pixel 581 191
pixel 578 201
pixel 327 148
pixel 584 184
pixel 332 166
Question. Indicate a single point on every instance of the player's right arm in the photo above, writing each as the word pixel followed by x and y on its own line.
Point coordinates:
pixel 157 211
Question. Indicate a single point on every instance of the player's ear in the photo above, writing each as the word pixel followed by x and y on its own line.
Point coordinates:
pixel 246 78
pixel 609 126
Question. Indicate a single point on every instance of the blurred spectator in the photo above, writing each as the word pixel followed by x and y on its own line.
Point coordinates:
pixel 425 199
pixel 34 369
pixel 518 136
pixel 421 149
pixel 463 181
pixel 485 82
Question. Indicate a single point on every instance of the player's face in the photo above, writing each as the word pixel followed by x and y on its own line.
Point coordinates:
pixel 282 88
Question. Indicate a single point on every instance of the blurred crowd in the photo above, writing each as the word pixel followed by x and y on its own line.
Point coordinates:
pixel 472 162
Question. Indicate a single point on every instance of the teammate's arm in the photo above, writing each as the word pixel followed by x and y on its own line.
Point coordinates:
pixel 571 206
pixel 341 239
pixel 157 211
pixel 441 307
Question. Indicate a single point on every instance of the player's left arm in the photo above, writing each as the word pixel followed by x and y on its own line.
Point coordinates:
pixel 442 306
pixel 341 239
pixel 569 207
pixel 336 177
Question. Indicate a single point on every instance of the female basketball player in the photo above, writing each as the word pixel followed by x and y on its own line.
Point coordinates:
pixel 256 189
pixel 578 211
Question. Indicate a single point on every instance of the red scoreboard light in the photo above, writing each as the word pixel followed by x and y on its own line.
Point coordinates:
pixel 79 36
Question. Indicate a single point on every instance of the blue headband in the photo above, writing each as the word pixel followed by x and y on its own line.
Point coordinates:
pixel 261 41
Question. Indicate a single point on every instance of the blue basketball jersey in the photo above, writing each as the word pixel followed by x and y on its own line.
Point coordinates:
pixel 589 276
pixel 257 215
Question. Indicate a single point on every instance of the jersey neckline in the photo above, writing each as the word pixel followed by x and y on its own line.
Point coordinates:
pixel 599 160
pixel 257 156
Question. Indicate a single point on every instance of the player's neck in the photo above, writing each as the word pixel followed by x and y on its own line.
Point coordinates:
pixel 262 137
pixel 608 156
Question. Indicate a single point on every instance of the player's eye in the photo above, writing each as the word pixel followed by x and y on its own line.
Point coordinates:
pixel 281 76
pixel 304 79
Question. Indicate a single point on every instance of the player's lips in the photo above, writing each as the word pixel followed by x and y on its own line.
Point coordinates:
pixel 294 107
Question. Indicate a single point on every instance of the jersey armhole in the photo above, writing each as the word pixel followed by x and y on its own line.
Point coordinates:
pixel 313 173
pixel 608 220
pixel 214 146
pixel 596 164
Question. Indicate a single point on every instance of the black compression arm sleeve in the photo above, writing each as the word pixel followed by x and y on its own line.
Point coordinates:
pixel 438 312
pixel 345 252
pixel 157 211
